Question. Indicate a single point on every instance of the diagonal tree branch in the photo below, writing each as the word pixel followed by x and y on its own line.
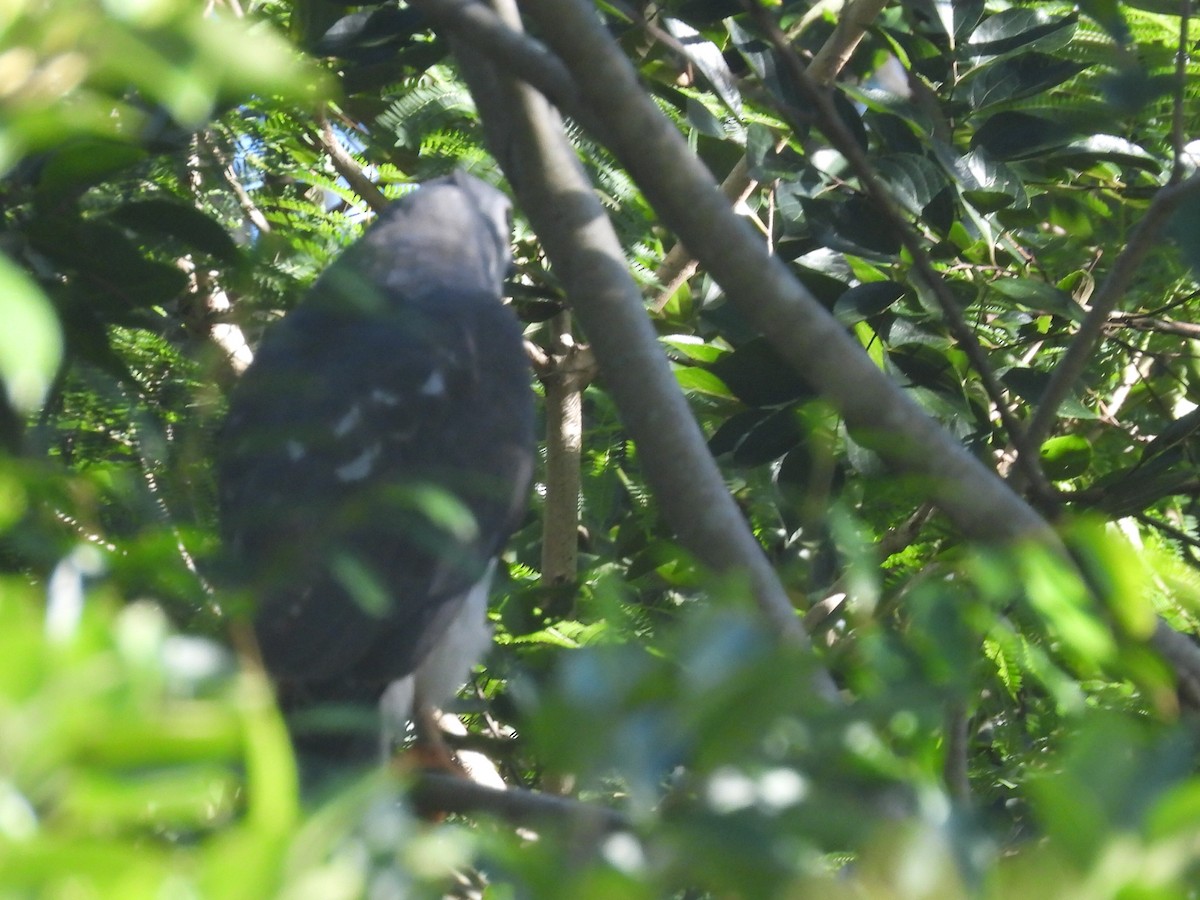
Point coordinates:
pixel 347 166
pixel 477 25
pixel 526 136
pixel 852 23
pixel 685 196
pixel 762 288
pixel 688 200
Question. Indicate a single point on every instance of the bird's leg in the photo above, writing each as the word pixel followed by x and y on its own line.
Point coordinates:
pixel 430 750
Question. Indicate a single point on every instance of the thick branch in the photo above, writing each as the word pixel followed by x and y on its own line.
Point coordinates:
pixel 526 137
pixel 584 249
pixel 762 288
pixel 679 265
pixel 475 24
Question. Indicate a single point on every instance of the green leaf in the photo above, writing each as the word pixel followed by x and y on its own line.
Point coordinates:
pixel 1105 148
pixel 866 300
pixel 758 376
pixel 30 339
pixel 1066 457
pixel 708 59
pixel 82 163
pixel 768 440
pixel 1030 384
pixel 1038 295
pixel 1017 135
pixel 912 179
pixel 693 347
pixel 1012 79
pixel 695 380
pixel 986 184
pixel 157 217
pixel 731 432
pixel 1020 29
pixel 1108 14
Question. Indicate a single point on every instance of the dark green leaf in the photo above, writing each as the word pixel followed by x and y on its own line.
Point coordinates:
pixel 1108 14
pixel 1131 88
pixel 866 300
pixel 913 180
pixel 760 57
pixel 851 118
pixel 954 19
pixel 1040 296
pixel 84 162
pixel 758 376
pixel 1022 28
pixel 157 217
pixel 734 429
pixel 1105 148
pixel 852 225
pixel 1029 384
pixel 707 58
pixel 1012 79
pixel 1018 135
pixel 769 439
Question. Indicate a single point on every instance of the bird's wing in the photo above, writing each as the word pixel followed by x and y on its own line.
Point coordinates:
pixel 370 468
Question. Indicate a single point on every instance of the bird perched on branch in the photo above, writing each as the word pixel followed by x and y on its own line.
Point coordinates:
pixel 377 455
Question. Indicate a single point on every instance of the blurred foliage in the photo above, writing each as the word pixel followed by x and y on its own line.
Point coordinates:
pixel 1006 731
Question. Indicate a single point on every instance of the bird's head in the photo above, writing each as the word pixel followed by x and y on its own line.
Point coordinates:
pixel 450 232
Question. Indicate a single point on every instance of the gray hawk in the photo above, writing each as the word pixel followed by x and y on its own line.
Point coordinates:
pixel 377 455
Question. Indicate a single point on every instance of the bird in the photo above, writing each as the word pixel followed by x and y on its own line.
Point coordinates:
pixel 375 459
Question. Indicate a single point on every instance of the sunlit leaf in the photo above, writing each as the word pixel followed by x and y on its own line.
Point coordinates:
pixel 30 341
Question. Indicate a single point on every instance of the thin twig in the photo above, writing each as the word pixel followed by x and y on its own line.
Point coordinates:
pixel 347 166
pixel 679 265
pixel 1141 241
pixel 1141 322
pixel 439 792
pixel 1177 533
pixel 1178 120
pixel 245 201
